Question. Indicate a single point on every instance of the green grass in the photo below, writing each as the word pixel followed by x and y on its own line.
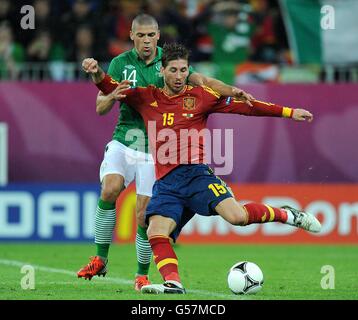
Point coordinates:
pixel 290 271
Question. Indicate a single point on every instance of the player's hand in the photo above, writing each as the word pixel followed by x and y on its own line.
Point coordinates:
pixel 243 96
pixel 117 93
pixel 90 65
pixel 302 115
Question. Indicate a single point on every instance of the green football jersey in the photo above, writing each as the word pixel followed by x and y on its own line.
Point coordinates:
pixel 130 129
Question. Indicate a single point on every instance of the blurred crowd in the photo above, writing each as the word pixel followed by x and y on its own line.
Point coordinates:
pixel 221 32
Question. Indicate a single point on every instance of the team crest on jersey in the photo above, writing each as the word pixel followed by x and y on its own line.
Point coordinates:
pixel 189 103
pixel 158 65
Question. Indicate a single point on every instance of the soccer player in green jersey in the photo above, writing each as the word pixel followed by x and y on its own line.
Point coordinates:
pixel 127 156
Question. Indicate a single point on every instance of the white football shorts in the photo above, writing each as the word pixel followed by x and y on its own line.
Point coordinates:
pixel 130 164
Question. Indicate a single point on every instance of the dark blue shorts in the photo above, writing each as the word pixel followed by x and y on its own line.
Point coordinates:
pixel 187 190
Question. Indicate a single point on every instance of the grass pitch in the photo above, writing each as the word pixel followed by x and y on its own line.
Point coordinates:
pixel 290 272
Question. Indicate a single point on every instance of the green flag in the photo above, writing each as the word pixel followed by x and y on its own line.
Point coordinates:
pixel 322 31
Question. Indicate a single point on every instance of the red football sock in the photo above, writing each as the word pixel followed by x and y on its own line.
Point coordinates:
pixel 261 213
pixel 165 258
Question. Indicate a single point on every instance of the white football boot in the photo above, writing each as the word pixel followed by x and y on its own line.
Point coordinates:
pixel 169 286
pixel 303 220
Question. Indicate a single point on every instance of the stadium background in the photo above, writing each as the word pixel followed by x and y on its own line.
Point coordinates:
pixel 285 51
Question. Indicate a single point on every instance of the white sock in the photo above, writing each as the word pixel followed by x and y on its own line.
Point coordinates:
pixel 290 216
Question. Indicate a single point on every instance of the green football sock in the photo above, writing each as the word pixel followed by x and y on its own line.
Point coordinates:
pixel 144 251
pixel 104 225
pixel 102 250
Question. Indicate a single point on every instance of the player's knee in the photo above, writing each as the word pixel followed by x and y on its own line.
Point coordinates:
pixel 237 218
pixel 150 231
pixel 158 225
pixel 110 193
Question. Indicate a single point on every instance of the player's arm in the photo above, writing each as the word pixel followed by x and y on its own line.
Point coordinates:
pixel 215 103
pixel 261 109
pixel 134 97
pixel 104 102
pixel 198 79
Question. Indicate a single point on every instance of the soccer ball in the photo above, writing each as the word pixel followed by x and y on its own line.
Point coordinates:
pixel 245 278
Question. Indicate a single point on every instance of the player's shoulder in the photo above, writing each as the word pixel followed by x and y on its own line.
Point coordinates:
pixel 122 58
pixel 210 91
pixel 193 90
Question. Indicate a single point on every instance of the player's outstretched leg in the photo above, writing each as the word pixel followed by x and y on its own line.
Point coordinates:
pixel 252 212
pixel 261 213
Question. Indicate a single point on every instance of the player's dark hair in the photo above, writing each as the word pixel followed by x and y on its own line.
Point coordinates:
pixel 144 20
pixel 174 51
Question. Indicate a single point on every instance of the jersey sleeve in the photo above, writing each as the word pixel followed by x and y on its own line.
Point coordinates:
pixel 210 99
pixel 258 109
pixel 135 97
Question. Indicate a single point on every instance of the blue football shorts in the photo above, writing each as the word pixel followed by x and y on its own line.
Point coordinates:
pixel 187 190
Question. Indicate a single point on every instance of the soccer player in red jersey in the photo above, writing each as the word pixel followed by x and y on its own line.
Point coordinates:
pixel 124 162
pixel 185 184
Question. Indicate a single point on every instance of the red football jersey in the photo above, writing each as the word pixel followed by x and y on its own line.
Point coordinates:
pixel 176 125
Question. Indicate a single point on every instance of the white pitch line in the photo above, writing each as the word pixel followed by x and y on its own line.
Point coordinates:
pixel 109 279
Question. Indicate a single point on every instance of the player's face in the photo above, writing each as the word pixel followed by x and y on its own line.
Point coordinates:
pixel 175 75
pixel 145 40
